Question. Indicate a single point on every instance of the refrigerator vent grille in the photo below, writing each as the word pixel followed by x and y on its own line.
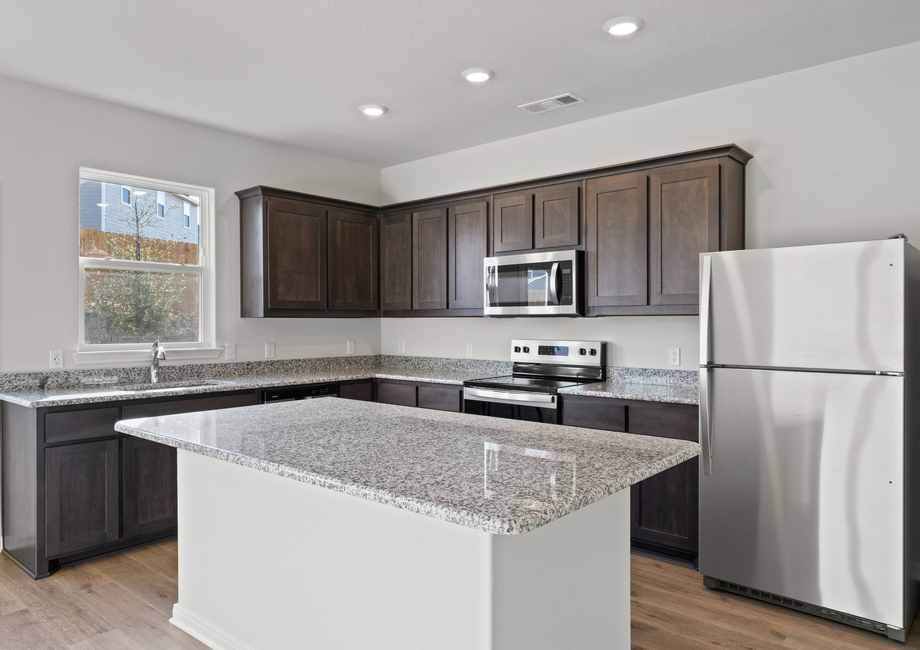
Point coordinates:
pixel 875 626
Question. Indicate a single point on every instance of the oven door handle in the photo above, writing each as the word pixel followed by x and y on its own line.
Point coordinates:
pixel 484 395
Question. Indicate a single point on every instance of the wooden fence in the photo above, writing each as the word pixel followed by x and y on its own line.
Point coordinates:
pixel 95 243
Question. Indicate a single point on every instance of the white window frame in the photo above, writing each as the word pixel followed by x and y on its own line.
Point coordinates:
pixel 205 348
pixel 161 203
pixel 186 215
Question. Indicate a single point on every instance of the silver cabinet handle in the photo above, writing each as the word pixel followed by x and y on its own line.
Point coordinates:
pixel 705 424
pixel 705 290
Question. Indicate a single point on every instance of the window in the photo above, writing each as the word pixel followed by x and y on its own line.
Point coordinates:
pixel 187 214
pixel 139 282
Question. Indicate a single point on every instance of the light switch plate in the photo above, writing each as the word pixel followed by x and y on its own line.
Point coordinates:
pixel 57 358
pixel 349 347
pixel 401 347
pixel 230 351
pixel 269 350
pixel 674 356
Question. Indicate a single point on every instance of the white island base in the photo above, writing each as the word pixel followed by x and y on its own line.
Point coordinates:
pixel 271 563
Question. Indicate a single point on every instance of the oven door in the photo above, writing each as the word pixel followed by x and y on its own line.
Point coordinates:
pixel 512 405
pixel 535 284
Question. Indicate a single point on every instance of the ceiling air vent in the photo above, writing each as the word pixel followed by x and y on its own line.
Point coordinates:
pixel 551 104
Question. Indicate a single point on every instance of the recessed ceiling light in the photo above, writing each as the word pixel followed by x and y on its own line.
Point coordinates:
pixel 623 26
pixel 477 75
pixel 373 109
pixel 138 192
pixel 103 205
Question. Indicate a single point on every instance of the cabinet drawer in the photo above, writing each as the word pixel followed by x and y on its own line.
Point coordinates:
pixel 68 426
pixel 667 421
pixel 363 391
pixel 390 392
pixel 441 398
pixel 188 405
pixel 594 413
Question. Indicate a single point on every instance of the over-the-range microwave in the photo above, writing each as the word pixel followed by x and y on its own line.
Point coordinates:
pixel 534 284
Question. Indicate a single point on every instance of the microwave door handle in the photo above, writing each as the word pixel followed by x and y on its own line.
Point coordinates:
pixel 553 277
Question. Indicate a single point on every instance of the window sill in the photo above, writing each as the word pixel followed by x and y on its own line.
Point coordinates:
pixel 121 356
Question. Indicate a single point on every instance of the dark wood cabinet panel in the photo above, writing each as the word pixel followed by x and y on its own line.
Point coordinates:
pixel 81 496
pixel 468 245
pixel 666 420
pixel 363 391
pixel 396 262
pixel 512 222
pixel 683 222
pixel 440 397
pixel 557 216
pixel 664 511
pixel 429 259
pixel 70 426
pixel 352 260
pixel 593 413
pixel 616 241
pixel 397 392
pixel 188 405
pixel 296 242
pixel 149 490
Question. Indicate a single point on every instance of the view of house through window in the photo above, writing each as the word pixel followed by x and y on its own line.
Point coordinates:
pixel 140 257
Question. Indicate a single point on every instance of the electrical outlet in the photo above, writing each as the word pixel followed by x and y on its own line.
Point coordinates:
pixel 57 358
pixel 469 349
pixel 349 347
pixel 674 356
pixel 269 350
pixel 230 351
pixel 401 347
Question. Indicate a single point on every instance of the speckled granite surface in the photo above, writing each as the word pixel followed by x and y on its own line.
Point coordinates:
pixel 676 394
pixel 499 476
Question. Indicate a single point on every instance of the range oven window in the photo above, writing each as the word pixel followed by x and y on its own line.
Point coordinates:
pixel 510 411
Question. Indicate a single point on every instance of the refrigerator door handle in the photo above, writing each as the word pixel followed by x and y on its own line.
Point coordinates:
pixel 705 424
pixel 705 290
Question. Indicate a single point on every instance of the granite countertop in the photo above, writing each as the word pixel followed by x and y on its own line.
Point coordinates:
pixel 87 394
pixel 495 475
pixel 675 394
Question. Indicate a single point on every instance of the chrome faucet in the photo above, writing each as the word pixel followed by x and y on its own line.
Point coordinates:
pixel 159 354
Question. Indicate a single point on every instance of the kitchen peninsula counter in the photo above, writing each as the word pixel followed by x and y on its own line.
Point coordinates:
pixel 467 531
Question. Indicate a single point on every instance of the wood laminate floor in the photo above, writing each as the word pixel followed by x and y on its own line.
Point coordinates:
pixel 123 602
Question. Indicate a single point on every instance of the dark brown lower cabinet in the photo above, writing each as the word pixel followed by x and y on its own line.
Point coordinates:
pixel 664 510
pixel 73 487
pixel 359 390
pixel 441 397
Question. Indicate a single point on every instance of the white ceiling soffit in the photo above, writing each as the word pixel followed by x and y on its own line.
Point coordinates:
pixel 295 71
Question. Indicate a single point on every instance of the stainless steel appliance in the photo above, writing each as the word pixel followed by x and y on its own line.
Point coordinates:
pixel 299 392
pixel 540 369
pixel 534 284
pixel 809 429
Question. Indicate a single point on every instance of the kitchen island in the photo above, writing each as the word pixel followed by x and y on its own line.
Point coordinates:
pixel 338 524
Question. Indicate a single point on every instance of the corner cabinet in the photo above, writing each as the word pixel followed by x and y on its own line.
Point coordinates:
pixel 306 256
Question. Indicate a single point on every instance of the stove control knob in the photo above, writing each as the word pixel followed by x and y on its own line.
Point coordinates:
pixel 517 348
pixel 582 351
pixel 526 350
pixel 593 352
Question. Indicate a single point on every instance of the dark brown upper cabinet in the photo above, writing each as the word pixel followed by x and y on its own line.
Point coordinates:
pixel 616 242
pixel 352 260
pixel 396 262
pixel 548 217
pixel 429 259
pixel 468 245
pixel 306 256
pixel 513 223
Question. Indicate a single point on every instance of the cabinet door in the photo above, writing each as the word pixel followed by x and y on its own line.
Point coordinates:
pixel 468 244
pixel 296 242
pixel 191 405
pixel 396 262
pixel 557 216
pixel 593 413
pixel 683 222
pixel 616 240
pixel 440 397
pixel 352 261
pixel 363 391
pixel 149 491
pixel 81 497
pixel 396 392
pixel 429 259
pixel 512 224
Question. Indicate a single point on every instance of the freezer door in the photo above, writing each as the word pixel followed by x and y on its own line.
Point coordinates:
pixel 835 306
pixel 806 494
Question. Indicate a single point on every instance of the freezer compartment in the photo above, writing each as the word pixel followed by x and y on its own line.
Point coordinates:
pixel 835 306
pixel 805 496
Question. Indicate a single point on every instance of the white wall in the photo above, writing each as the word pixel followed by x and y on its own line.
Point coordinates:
pixel 836 158
pixel 46 135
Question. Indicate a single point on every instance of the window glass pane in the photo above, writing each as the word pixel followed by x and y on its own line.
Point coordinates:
pixel 147 229
pixel 140 306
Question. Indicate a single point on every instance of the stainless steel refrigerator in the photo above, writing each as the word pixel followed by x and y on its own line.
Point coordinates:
pixel 809 361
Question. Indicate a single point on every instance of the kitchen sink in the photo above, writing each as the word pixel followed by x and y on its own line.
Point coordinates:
pixel 165 385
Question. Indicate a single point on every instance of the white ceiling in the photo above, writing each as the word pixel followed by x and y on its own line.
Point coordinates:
pixel 295 71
